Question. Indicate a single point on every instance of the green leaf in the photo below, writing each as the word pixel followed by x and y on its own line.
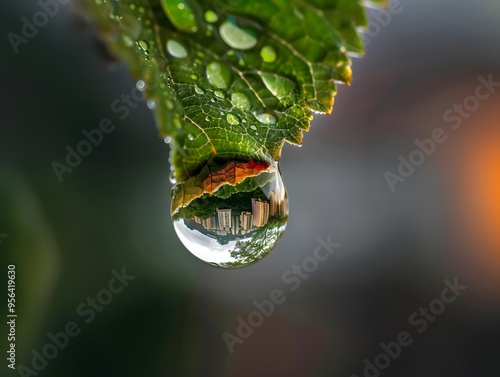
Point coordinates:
pixel 233 80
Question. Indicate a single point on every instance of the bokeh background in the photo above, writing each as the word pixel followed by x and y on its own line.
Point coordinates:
pixel 397 248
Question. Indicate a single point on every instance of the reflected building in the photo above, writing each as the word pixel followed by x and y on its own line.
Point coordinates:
pixel 224 218
pixel 210 223
pixel 246 220
pixel 260 212
pixel 227 221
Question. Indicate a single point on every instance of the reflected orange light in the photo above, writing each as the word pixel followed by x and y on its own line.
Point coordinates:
pixel 481 198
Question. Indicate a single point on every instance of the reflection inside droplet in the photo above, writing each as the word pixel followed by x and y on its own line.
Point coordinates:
pixel 237 225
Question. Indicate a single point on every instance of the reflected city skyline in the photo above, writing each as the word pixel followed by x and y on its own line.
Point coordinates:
pixel 227 221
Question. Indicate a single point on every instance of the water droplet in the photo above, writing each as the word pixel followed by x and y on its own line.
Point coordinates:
pixel 151 104
pixel 198 90
pixel 266 118
pixel 236 37
pixel 232 119
pixel 176 49
pixel 191 137
pixel 207 118
pixel 140 85
pixel 194 77
pixel 144 45
pixel 240 101
pixel 180 15
pixel 238 230
pixel 218 75
pixel 167 139
pixel 221 113
pixel 169 104
pixel 268 54
pixel 171 178
pixel 252 127
pixel 219 94
pixel 211 17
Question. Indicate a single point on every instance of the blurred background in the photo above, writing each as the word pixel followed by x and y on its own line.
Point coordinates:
pixel 112 212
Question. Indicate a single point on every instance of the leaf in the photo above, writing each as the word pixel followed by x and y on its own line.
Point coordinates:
pixel 233 80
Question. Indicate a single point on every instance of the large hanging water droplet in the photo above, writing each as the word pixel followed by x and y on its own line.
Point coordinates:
pixel 218 75
pixel 236 37
pixel 237 225
pixel 176 49
pixel 180 14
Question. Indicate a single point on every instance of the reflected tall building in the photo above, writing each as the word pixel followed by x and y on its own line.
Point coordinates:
pixel 246 220
pixel 210 223
pixel 277 203
pixel 260 212
pixel 224 218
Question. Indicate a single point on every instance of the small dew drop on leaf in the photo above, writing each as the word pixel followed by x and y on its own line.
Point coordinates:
pixel 151 104
pixel 171 178
pixel 191 137
pixel 240 101
pixel 167 140
pixel 219 94
pixel 266 118
pixel 198 90
pixel 218 75
pixel 236 37
pixel 211 16
pixel 180 14
pixel 232 119
pixel 268 54
pixel 144 45
pixel 176 49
